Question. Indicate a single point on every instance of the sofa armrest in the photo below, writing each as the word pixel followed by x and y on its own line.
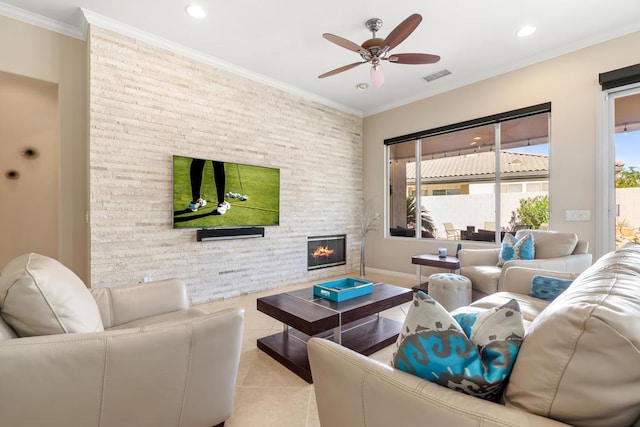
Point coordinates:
pixel 171 373
pixel 518 279
pixel 470 257
pixel 582 247
pixel 123 304
pixel 566 264
pixel 356 391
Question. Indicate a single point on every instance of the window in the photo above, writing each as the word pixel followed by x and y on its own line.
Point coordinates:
pixel 512 188
pixel 444 192
pixel 481 177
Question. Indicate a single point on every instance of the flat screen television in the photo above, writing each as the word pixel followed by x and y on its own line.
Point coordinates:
pixel 213 194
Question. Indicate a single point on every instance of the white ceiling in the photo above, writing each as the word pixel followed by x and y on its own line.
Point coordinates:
pixel 280 41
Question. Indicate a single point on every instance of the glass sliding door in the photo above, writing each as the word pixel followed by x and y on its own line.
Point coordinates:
pixel 618 153
pixel 626 167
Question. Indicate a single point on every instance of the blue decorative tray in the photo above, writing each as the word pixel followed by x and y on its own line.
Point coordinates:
pixel 343 289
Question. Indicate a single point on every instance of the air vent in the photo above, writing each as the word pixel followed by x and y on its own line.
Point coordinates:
pixel 437 75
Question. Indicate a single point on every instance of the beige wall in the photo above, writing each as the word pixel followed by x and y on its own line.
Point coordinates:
pixel 147 104
pixel 570 82
pixel 44 55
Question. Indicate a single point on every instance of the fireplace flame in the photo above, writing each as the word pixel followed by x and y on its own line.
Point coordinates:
pixel 322 251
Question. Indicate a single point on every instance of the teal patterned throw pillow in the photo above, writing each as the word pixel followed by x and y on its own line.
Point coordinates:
pixel 513 248
pixel 470 352
pixel 547 287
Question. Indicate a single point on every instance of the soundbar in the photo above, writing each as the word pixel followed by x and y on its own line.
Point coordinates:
pixel 205 234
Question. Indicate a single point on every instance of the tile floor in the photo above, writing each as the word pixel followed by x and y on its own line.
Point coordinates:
pixel 268 394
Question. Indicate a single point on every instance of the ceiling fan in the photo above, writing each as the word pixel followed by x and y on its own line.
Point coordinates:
pixel 375 50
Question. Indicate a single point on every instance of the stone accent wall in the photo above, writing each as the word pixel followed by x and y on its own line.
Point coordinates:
pixel 147 104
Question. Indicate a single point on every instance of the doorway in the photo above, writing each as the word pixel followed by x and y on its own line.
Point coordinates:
pixel 29 157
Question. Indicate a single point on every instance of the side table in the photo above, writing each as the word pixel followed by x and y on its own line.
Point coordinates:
pixel 450 263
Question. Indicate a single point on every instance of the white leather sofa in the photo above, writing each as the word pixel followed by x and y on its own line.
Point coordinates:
pixel 115 357
pixel 579 363
pixel 553 251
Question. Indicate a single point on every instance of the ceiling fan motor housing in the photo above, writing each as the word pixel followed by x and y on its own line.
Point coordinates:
pixel 374 43
pixel 371 43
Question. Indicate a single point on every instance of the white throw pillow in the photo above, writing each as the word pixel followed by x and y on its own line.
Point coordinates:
pixel 40 296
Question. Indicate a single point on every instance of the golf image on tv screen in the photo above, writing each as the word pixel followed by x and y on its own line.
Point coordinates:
pixel 209 193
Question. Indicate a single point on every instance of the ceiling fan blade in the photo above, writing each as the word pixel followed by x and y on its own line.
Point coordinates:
pixel 413 58
pixel 339 70
pixel 402 31
pixel 347 44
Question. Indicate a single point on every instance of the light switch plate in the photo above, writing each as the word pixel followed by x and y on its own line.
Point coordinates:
pixel 577 215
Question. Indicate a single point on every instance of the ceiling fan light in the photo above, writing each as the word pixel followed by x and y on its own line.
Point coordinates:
pixel 377 76
pixel 196 11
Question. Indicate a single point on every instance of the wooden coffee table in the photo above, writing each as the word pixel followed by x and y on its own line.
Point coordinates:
pixel 354 323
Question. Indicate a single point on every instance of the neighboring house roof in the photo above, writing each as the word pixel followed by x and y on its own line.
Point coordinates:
pixel 481 166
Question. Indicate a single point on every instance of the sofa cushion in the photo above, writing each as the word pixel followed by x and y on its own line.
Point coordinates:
pixel 548 288
pixel 40 296
pixel 530 307
pixel 516 248
pixel 551 244
pixel 472 353
pixel 6 333
pixel 484 278
pixel 579 362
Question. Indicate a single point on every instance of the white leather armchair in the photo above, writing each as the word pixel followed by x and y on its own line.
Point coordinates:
pixel 555 251
pixel 152 362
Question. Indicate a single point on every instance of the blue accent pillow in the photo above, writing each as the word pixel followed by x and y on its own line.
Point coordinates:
pixel 547 287
pixel 470 352
pixel 513 248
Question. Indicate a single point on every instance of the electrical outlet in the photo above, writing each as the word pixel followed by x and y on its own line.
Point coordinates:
pixel 577 215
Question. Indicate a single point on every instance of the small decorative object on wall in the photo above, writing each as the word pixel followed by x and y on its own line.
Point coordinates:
pixel 368 222
pixel 12 174
pixel 30 153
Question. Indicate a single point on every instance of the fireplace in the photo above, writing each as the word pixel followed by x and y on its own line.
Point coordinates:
pixel 326 251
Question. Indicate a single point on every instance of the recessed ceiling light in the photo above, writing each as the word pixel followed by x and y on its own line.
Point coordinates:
pixel 362 86
pixel 195 11
pixel 525 31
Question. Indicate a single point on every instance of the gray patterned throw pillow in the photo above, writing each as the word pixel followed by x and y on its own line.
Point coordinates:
pixel 472 352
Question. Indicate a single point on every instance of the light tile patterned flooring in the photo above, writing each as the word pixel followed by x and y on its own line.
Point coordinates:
pixel 268 394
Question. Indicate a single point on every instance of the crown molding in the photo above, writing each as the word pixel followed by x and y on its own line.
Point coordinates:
pixel 77 32
pixel 130 31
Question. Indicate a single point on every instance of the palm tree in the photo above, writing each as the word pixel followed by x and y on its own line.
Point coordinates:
pixel 425 219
